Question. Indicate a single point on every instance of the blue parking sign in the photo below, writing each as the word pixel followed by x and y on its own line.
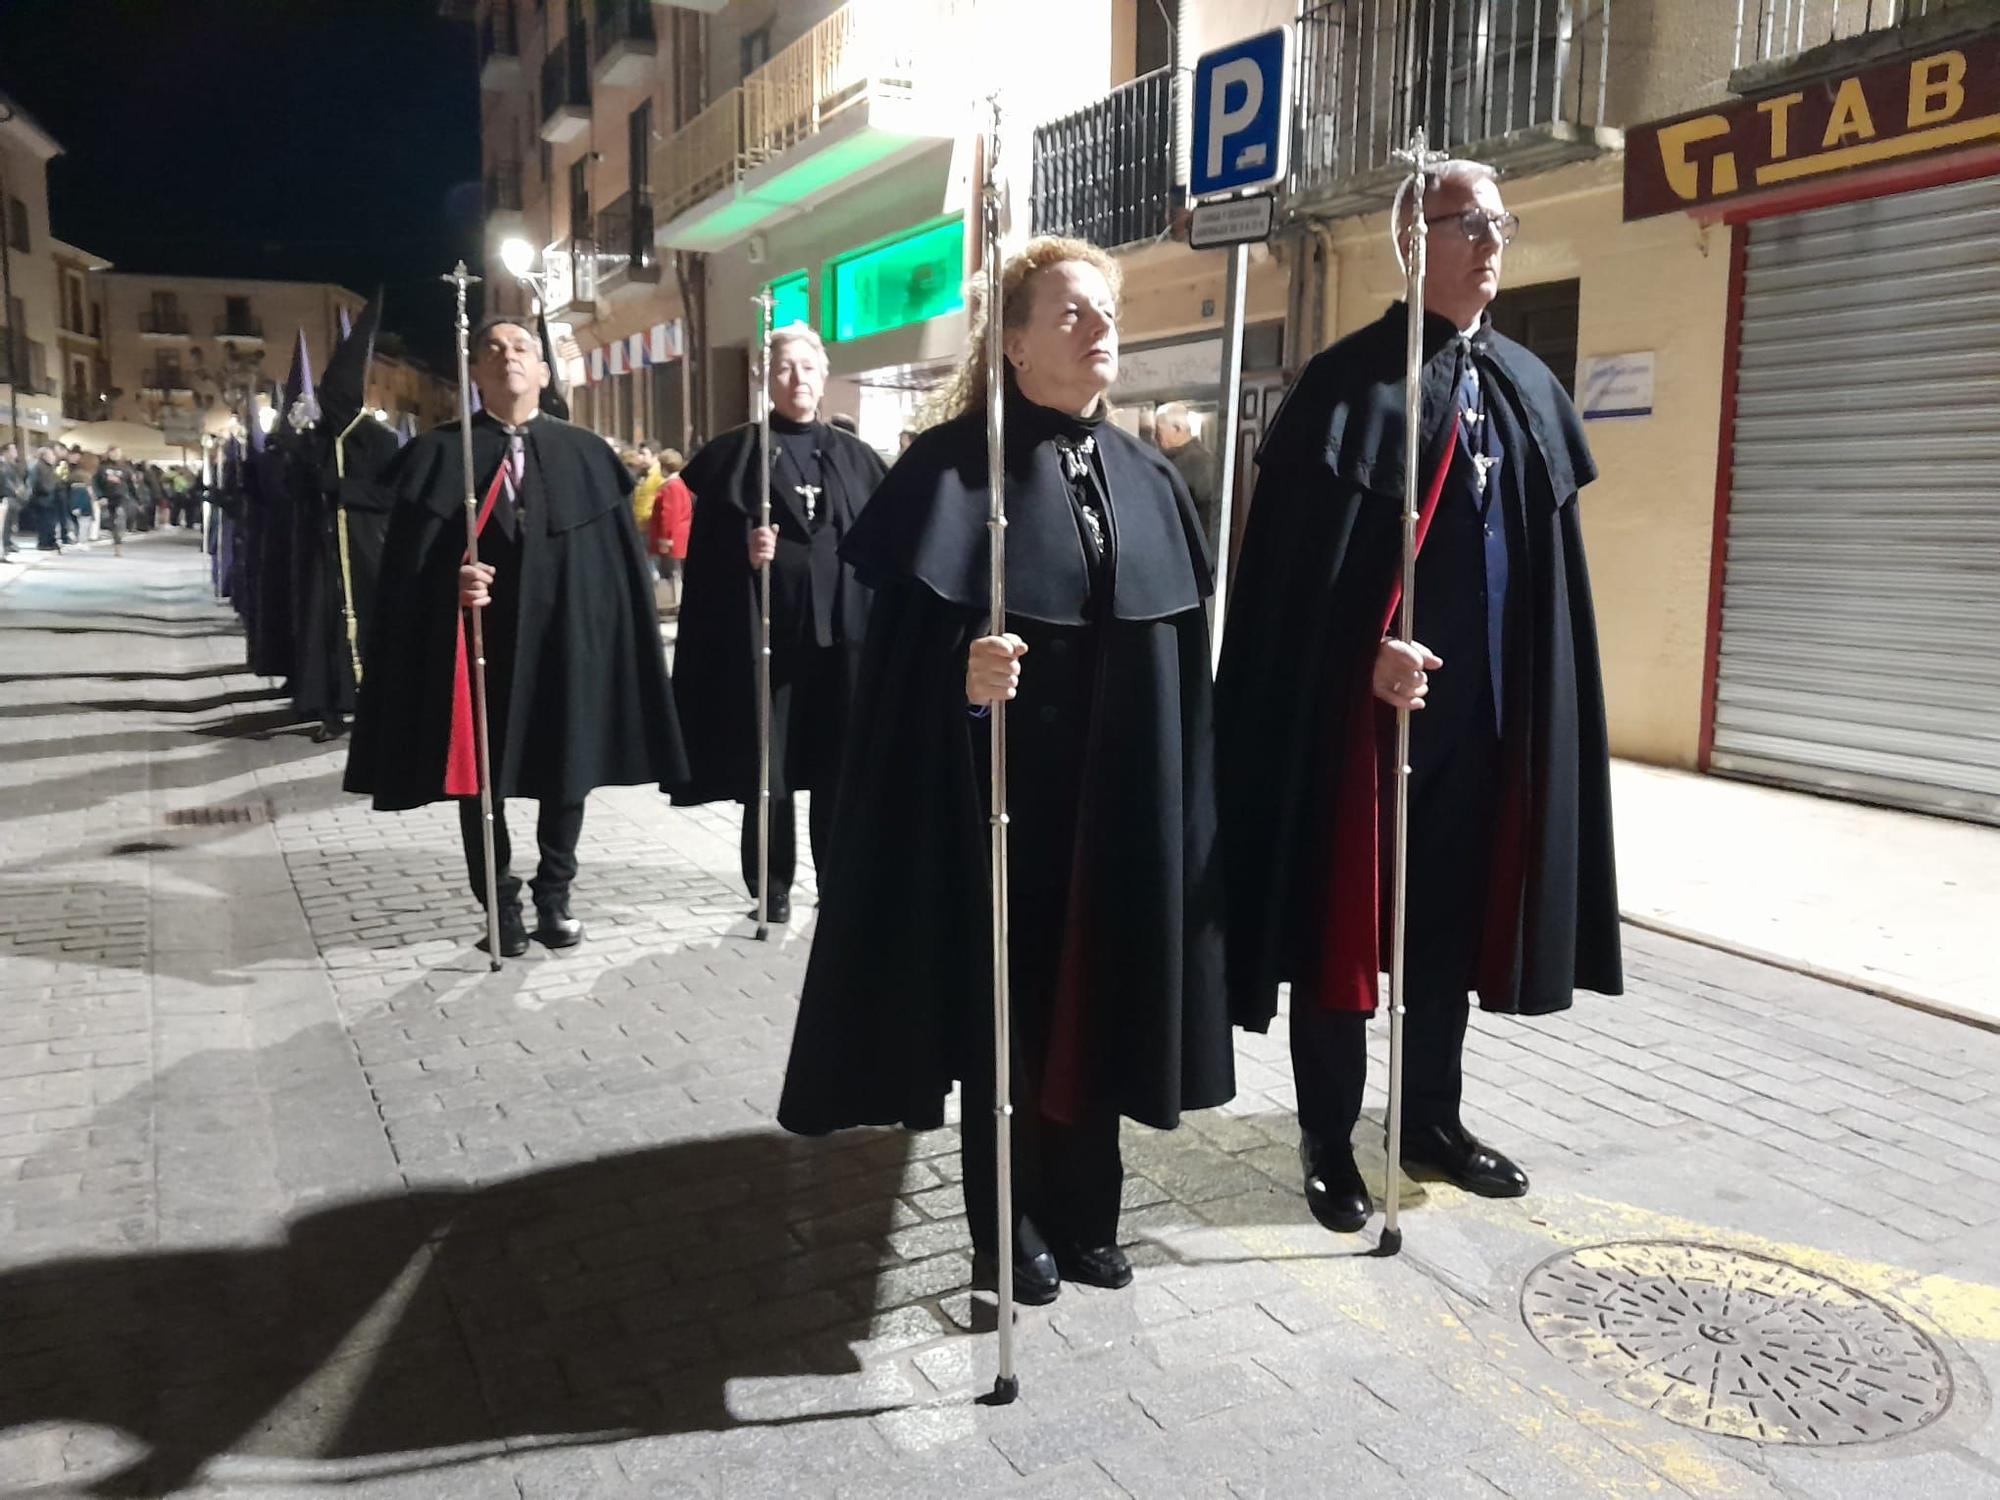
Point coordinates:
pixel 1242 114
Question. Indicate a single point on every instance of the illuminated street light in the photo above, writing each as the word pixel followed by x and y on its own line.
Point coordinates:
pixel 518 256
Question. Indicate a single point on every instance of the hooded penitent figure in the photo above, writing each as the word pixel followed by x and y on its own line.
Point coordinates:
pixel 821 478
pixel 1115 884
pixel 576 680
pixel 322 679
pixel 354 457
pixel 273 517
pixel 1509 869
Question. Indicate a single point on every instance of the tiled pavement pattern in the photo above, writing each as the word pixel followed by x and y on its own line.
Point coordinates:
pixel 292 1192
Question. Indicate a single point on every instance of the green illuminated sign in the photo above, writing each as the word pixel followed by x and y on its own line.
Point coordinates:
pixel 893 283
pixel 792 299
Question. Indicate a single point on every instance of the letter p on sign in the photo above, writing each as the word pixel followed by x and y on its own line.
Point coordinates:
pixel 1242 110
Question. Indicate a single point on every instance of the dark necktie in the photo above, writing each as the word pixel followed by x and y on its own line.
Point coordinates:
pixel 510 508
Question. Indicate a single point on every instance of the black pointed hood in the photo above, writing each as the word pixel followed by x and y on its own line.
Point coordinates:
pixel 343 389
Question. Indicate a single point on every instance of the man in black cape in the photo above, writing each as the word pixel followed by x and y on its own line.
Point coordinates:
pixel 1510 873
pixel 1115 895
pixel 356 499
pixel 821 477
pixel 577 688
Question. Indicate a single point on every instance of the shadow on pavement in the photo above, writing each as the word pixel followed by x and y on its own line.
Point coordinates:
pixel 206 705
pixel 614 1297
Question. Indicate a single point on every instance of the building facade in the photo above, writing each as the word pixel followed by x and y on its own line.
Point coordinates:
pixel 180 350
pixel 30 369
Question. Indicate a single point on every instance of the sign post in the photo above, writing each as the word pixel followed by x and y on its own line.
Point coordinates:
pixel 1242 127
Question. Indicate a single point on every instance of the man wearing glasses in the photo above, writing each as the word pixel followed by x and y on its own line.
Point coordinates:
pixel 1510 860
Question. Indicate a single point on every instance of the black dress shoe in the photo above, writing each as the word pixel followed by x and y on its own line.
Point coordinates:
pixel 1037 1283
pixel 513 933
pixel 557 929
pixel 1104 1266
pixel 1452 1151
pixel 1335 1192
pixel 779 914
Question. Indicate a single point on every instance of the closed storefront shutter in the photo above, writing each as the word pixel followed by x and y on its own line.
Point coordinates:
pixel 1860 635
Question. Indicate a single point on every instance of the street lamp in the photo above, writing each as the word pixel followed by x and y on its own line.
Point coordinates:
pixel 518 256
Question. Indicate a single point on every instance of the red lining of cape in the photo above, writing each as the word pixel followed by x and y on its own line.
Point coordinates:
pixel 461 763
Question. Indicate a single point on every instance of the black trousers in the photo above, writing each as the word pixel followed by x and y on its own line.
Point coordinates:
pixel 557 828
pixel 1067 1178
pixel 785 840
pixel 1454 786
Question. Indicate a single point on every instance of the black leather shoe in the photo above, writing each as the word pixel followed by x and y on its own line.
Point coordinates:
pixel 1037 1283
pixel 513 933
pixel 1335 1192
pixel 555 927
pixel 1104 1266
pixel 1452 1151
pixel 780 912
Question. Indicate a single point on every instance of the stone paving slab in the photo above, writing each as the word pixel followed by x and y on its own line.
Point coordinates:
pixel 293 1193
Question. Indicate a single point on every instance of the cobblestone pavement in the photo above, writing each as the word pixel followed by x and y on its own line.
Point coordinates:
pixel 293 1193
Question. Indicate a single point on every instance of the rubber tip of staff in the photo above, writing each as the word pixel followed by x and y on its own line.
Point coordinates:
pixel 1391 1244
pixel 493 965
pixel 763 934
pixel 1005 1389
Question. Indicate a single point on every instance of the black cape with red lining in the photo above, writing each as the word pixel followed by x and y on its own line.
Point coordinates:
pixel 589 704
pixel 715 650
pixel 898 994
pixel 1320 558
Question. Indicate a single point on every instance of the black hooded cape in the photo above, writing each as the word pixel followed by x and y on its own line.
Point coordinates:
pixel 588 702
pixel 1115 881
pixel 715 653
pixel 1320 555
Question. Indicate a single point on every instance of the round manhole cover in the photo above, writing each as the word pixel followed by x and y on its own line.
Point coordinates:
pixel 1736 1344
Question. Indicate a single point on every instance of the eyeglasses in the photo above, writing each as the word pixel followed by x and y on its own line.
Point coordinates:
pixel 1476 223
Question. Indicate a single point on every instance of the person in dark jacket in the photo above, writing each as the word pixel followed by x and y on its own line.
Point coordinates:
pixel 1509 868
pixel 1196 463
pixel 577 687
pixel 1114 886
pixel 45 499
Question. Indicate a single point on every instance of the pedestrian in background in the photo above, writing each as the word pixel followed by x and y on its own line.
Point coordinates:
pixel 79 499
pixel 45 499
pixel 646 482
pixel 673 514
pixel 1199 468
pixel 13 497
pixel 114 491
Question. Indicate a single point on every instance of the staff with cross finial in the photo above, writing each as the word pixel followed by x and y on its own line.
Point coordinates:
pixel 765 305
pixel 1417 160
pixel 460 279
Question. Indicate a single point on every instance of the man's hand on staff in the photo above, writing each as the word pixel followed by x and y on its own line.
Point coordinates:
pixel 763 545
pixel 993 668
pixel 1402 673
pixel 475 583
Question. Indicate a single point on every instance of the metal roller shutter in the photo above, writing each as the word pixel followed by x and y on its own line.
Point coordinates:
pixel 1860 640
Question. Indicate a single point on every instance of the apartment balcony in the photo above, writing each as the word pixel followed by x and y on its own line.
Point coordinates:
pixel 1106 173
pixel 24 364
pixel 165 383
pixel 1518 84
pixel 627 44
pixel 240 330
pixel 164 327
pixel 500 49
pixel 570 280
pixel 566 91
pixel 505 213
pixel 865 90
pixel 79 406
pixel 627 256
pixel 1781 42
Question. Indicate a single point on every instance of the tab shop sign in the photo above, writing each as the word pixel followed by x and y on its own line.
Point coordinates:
pixel 1942 101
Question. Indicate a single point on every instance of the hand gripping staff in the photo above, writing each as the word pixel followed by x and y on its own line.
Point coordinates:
pixel 460 278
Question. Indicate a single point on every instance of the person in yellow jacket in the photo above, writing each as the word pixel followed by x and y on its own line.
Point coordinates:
pixel 645 467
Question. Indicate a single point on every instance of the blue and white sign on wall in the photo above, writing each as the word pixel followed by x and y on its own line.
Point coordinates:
pixel 1242 114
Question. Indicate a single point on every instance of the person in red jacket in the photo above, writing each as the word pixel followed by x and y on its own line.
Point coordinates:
pixel 673 512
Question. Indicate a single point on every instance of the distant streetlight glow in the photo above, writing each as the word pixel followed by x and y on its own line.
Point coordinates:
pixel 518 256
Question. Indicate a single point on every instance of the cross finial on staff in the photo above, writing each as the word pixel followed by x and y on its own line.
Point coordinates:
pixel 461 276
pixel 1417 156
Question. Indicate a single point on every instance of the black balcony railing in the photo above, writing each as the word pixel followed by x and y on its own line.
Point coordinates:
pixel 499 34
pixel 227 327
pixel 1106 173
pixel 566 77
pixel 624 21
pixel 156 320
pixel 24 363
pixel 79 406
pixel 625 239
pixel 1517 83
pixel 166 378
pixel 503 188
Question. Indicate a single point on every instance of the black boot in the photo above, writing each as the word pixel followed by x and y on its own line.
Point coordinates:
pixel 513 931
pixel 1335 1192
pixel 554 926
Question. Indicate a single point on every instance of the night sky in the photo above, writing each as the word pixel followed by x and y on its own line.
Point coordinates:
pixel 303 140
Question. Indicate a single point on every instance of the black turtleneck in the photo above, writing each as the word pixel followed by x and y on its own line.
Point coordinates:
pixel 796 449
pixel 1075 440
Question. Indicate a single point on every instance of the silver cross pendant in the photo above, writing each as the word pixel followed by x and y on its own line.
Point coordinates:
pixel 1482 463
pixel 809 493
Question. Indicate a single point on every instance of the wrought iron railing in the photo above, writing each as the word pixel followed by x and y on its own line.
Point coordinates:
pixel 227 327
pixel 166 378
pixel 503 188
pixel 1471 72
pixel 624 21
pixel 565 77
pixel 1106 173
pixel 625 234
pixel 1767 30
pixel 499 33
pixel 703 157
pixel 152 320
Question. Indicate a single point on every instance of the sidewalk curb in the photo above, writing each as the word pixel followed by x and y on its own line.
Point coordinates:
pixel 1943 1009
